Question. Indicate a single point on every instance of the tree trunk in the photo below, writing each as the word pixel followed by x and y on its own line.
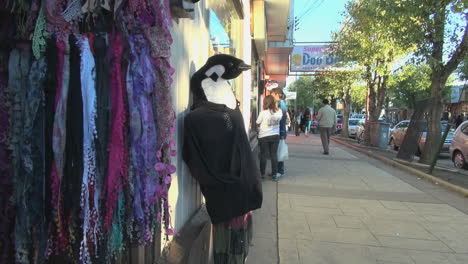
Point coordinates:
pixel 433 127
pixel 370 105
pixel 346 110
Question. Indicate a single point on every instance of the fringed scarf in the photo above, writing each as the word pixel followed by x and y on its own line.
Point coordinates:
pixel 161 40
pixel 70 184
pixel 59 234
pixel 90 190
pixel 18 65
pixel 30 187
pixel 7 212
pixel 118 155
pixel 142 134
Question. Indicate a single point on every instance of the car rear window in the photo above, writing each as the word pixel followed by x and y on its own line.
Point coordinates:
pixel 353 122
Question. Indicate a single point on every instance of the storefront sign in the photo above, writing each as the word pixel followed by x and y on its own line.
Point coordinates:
pixel 312 58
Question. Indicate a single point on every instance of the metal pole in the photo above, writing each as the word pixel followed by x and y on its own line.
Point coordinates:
pixel 436 156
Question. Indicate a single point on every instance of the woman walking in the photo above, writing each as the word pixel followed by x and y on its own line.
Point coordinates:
pixel 307 121
pixel 268 136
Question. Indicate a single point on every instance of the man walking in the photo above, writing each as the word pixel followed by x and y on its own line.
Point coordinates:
pixel 327 122
pixel 278 94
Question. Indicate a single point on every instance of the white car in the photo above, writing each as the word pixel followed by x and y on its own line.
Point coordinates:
pixel 353 124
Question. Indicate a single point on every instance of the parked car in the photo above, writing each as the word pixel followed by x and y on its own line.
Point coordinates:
pixel 399 132
pixel 459 146
pixel 353 124
pixel 358 116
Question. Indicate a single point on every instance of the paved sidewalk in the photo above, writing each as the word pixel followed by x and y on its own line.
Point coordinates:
pixel 348 208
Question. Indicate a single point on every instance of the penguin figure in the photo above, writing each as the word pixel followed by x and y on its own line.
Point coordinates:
pixel 210 82
pixel 218 154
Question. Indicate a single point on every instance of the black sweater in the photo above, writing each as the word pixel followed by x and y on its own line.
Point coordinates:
pixel 218 154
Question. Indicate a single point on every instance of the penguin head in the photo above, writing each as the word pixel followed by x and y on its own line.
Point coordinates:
pixel 225 66
pixel 209 83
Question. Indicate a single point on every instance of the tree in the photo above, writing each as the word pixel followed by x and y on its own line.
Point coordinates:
pixel 438 29
pixel 304 92
pixel 463 69
pixel 410 84
pixel 365 41
pixel 342 84
pixel 358 96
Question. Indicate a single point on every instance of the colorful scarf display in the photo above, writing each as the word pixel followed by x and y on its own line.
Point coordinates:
pixel 87 128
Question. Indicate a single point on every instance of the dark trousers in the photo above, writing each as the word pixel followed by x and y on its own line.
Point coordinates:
pixel 325 133
pixel 269 148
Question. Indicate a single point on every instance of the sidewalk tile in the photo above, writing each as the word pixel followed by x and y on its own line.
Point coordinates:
pixel 265 251
pixel 288 252
pixel 392 205
pixel 409 243
pixel 293 225
pixel 317 221
pixel 399 229
pixel 391 255
pixel 458 242
pixel 435 209
pixel 312 252
pixel 344 235
pixel 349 222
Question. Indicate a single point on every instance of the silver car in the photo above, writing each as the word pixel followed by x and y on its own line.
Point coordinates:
pixel 459 146
pixel 353 124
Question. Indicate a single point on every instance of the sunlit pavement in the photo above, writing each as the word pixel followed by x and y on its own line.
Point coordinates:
pixel 348 208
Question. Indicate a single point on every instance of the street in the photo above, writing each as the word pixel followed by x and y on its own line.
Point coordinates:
pixel 348 208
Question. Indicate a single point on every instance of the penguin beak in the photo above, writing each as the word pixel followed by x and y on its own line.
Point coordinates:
pixel 244 67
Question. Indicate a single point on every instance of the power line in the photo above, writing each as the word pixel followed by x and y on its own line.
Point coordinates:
pixel 314 5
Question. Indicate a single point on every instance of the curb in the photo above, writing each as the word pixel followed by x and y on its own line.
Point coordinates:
pixel 405 168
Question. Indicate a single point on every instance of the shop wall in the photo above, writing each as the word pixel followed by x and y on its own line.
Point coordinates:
pixel 189 52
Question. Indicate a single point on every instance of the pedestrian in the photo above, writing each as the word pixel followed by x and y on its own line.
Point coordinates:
pixel 458 121
pixel 289 117
pixel 307 121
pixel 327 122
pixel 279 96
pixel 268 135
pixel 298 123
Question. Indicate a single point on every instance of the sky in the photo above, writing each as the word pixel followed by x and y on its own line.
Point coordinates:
pixel 318 19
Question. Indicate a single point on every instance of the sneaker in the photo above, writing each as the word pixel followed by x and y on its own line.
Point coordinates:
pixel 325 153
pixel 276 177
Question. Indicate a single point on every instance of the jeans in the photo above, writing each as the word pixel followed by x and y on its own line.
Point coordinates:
pixel 269 148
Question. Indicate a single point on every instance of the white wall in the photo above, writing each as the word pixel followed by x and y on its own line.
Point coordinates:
pixel 189 53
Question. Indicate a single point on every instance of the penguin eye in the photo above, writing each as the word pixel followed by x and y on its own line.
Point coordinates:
pixel 231 64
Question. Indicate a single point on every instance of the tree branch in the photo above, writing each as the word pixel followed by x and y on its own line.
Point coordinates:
pixel 460 53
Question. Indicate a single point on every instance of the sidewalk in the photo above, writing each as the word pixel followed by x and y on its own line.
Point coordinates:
pixel 444 168
pixel 348 208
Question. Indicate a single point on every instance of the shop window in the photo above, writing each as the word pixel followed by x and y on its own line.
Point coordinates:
pixel 225 33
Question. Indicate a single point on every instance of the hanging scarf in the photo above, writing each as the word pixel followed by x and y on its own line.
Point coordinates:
pixel 103 106
pixel 117 151
pixel 70 184
pixel 19 64
pixel 142 133
pixel 160 38
pixel 7 212
pixel 59 237
pixel 118 156
pixel 30 183
pixel 90 190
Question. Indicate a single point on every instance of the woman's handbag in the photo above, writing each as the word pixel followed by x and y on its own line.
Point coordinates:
pixel 283 154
